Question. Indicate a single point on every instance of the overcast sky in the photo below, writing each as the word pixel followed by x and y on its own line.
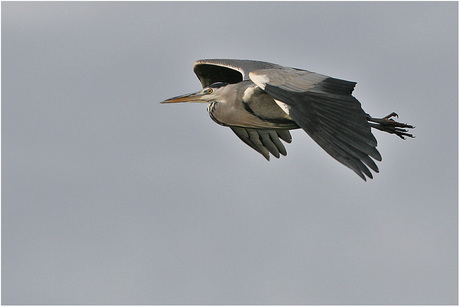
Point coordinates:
pixel 109 197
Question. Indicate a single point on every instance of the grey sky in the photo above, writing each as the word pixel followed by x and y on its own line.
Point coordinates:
pixel 111 198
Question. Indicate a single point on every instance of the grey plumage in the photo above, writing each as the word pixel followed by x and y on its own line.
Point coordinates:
pixel 262 101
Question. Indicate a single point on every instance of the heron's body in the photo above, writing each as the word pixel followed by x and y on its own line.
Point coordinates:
pixel 256 109
pixel 262 101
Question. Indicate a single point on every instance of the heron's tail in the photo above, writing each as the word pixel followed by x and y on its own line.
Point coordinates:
pixel 389 125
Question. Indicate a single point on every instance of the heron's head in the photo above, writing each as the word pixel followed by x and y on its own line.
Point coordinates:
pixel 210 93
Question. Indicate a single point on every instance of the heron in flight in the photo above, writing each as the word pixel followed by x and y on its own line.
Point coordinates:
pixel 262 101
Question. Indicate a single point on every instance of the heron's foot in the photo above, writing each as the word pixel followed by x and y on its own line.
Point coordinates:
pixel 389 125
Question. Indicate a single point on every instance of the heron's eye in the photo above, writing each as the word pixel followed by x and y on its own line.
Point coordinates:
pixel 208 91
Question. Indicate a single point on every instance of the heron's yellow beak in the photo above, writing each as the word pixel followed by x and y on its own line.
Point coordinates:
pixel 195 97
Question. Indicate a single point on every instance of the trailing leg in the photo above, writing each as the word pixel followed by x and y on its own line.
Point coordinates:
pixel 389 125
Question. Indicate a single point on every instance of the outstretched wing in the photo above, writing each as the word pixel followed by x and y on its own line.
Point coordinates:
pixel 326 110
pixel 229 71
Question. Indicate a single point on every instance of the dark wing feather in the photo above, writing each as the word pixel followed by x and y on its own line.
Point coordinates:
pixel 337 123
pixel 264 141
pixel 326 110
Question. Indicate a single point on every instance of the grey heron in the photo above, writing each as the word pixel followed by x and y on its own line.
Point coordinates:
pixel 262 101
